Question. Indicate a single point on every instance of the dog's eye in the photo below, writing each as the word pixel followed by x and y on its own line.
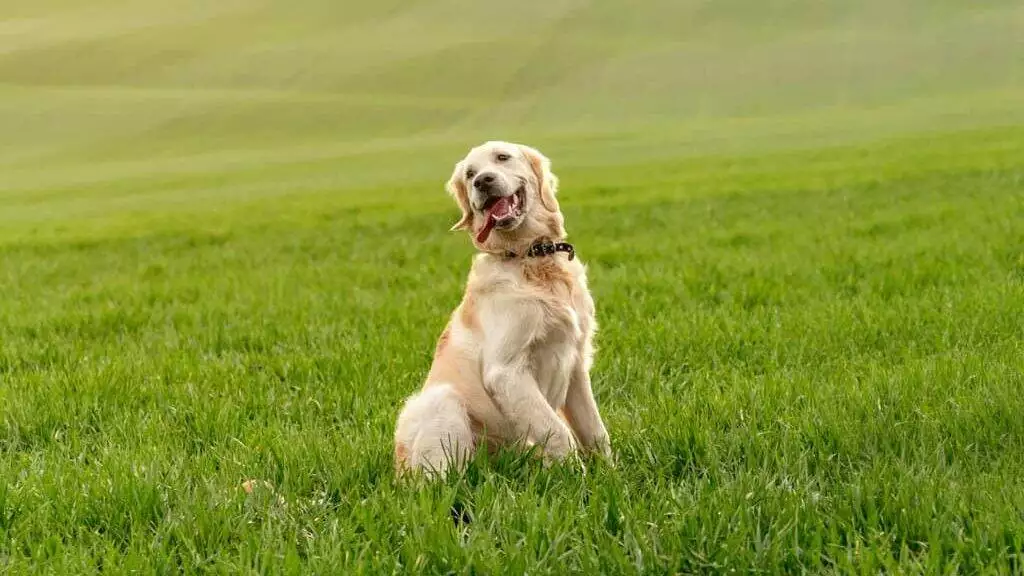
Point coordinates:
pixel 502 157
pixel 470 173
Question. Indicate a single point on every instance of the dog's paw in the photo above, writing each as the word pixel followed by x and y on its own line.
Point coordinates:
pixel 559 446
pixel 604 448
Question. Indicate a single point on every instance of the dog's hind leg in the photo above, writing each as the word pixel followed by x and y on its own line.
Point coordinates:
pixel 433 433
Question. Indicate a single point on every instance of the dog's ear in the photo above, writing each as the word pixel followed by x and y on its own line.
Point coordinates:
pixel 457 188
pixel 546 179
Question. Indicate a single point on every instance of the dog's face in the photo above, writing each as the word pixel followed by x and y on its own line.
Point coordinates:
pixel 507 195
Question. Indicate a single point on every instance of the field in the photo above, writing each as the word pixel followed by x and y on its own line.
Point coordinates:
pixel 224 256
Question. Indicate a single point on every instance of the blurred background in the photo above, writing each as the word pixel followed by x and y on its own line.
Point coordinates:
pixel 116 112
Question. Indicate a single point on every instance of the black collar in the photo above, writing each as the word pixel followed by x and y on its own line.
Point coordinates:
pixel 545 248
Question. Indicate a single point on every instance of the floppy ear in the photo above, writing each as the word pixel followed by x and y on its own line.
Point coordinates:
pixel 546 179
pixel 457 188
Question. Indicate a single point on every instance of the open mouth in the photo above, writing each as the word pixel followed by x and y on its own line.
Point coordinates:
pixel 501 212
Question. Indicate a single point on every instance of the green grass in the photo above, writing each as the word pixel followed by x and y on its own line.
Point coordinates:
pixel 223 256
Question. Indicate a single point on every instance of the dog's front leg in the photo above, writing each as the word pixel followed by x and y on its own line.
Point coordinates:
pixel 508 380
pixel 515 391
pixel 582 413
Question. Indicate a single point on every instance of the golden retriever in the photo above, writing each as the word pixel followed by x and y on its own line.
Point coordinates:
pixel 513 363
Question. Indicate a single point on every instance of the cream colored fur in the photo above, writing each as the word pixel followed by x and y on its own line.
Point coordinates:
pixel 513 364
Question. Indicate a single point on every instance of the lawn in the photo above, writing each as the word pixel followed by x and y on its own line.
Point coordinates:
pixel 224 256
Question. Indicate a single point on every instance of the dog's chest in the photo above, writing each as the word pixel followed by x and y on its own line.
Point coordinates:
pixel 552 304
pixel 555 352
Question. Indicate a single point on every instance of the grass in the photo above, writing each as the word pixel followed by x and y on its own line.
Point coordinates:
pixel 223 256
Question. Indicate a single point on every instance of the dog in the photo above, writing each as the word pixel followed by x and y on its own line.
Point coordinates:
pixel 512 366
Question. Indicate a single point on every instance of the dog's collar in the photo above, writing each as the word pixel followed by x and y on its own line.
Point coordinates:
pixel 545 248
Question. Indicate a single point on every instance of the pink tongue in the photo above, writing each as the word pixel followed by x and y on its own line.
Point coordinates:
pixel 484 232
pixel 500 210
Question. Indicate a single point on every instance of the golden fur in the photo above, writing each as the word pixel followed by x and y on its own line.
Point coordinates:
pixel 513 363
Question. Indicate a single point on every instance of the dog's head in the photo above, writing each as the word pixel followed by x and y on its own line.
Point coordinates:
pixel 507 195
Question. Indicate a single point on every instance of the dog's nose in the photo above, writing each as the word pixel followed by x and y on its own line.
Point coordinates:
pixel 483 182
